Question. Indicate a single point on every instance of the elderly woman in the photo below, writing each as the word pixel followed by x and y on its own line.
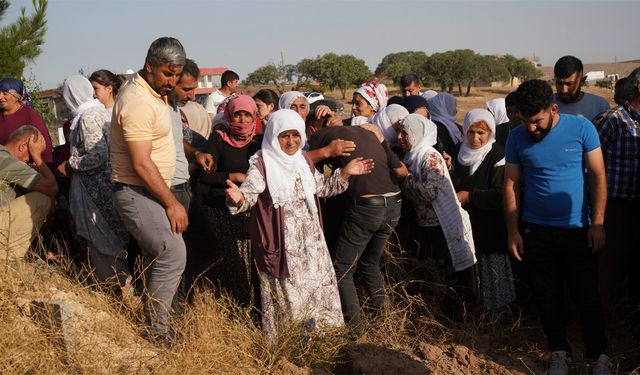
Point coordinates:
pixel 388 119
pixel 97 223
pixel 15 111
pixel 477 177
pixel 223 251
pixel 443 224
pixel 297 279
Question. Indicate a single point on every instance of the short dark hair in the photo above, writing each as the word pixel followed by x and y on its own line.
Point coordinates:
pixel 412 103
pixel 105 77
pixel 268 96
pixel 396 99
pixel 228 76
pixel 631 91
pixel 566 66
pixel 534 96
pixel 408 79
pixel 191 68
pixel 511 100
pixel 618 91
pixel 23 132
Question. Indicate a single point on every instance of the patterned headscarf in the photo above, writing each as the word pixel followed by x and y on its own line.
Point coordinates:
pixel 16 85
pixel 235 104
pixel 375 94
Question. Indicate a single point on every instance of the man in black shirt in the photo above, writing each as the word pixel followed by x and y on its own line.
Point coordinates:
pixel 372 212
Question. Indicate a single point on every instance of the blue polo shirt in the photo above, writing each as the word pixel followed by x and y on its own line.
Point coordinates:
pixel 552 172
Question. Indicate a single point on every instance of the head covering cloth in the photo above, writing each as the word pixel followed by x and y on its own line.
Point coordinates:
pixel 16 85
pixel 375 93
pixel 235 104
pixel 498 109
pixel 468 156
pixel 442 109
pixel 387 117
pixel 422 133
pixel 77 93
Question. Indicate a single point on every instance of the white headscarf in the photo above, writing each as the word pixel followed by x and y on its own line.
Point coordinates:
pixel 289 97
pixel 442 109
pixel 473 157
pixel 282 169
pixel 78 95
pixel 375 93
pixel 359 120
pixel 429 94
pixel 498 109
pixel 422 134
pixel 387 117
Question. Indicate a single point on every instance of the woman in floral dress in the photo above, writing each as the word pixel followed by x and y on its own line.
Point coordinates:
pixel 297 280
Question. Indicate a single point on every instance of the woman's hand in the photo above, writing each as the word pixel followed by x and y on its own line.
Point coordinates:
pixel 356 167
pixel 340 147
pixel 205 161
pixel 463 197
pixel 447 159
pixel 63 168
pixel 234 195
pixel 237 177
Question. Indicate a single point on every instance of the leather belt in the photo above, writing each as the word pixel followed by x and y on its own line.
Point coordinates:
pixel 378 200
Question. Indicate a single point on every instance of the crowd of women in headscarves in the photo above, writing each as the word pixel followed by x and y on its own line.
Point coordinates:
pixel 255 221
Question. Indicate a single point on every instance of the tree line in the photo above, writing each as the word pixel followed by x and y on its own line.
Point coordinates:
pixel 461 69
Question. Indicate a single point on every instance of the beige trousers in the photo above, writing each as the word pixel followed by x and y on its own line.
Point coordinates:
pixel 20 221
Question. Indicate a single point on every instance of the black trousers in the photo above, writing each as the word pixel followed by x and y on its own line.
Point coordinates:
pixel 556 257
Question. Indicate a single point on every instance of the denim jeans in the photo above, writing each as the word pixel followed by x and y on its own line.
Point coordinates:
pixel 555 257
pixel 360 245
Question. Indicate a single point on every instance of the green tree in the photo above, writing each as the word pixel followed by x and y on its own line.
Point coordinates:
pixel 522 69
pixel 340 71
pixel 439 70
pixel 395 65
pixel 20 41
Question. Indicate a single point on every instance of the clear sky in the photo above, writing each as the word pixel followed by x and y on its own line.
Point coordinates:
pixel 243 35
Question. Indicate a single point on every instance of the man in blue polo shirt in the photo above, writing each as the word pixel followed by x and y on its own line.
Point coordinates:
pixel 561 229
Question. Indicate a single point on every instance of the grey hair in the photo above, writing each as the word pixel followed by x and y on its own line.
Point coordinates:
pixel 166 50
pixel 631 90
pixel 23 132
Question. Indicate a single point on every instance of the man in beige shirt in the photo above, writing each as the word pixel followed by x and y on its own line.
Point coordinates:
pixel 143 157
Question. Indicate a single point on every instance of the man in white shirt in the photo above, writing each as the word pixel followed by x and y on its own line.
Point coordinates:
pixel 569 78
pixel 229 85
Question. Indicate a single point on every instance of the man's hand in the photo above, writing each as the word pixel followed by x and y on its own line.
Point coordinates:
pixel 234 194
pixel 515 245
pixel 178 218
pixel 205 161
pixel 237 177
pixel 375 130
pixel 340 147
pixel 323 110
pixel 36 148
pixel 596 237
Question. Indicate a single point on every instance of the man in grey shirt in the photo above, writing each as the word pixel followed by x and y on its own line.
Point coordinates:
pixel 569 78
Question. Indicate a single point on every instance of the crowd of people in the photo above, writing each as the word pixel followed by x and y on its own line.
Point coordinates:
pixel 279 206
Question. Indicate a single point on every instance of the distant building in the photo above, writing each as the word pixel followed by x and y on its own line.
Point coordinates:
pixel 210 81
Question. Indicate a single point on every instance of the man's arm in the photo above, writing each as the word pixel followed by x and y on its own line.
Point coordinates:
pixel 595 166
pixel 511 196
pixel 140 152
pixel 47 185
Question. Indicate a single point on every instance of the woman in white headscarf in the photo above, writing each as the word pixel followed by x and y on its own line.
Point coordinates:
pixel 477 177
pixel 388 119
pixel 296 101
pixel 498 109
pixel 297 279
pixel 97 223
pixel 442 109
pixel 442 221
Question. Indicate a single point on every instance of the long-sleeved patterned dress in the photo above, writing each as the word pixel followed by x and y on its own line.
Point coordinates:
pixel 96 221
pixel 310 295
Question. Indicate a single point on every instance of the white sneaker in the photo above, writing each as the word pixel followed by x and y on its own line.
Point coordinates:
pixel 602 366
pixel 559 363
